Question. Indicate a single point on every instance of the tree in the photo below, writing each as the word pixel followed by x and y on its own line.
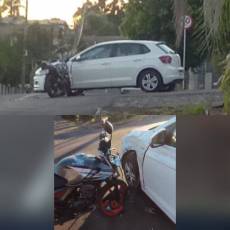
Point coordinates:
pixel 10 60
pixel 11 8
pixel 225 84
pixel 213 25
pixel 100 18
pixel 149 19
pixel 40 41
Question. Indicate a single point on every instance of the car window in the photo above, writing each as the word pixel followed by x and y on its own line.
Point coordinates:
pixel 129 49
pixel 171 135
pixel 98 52
pixel 165 48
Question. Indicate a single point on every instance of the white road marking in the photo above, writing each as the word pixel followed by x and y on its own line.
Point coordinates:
pixel 25 97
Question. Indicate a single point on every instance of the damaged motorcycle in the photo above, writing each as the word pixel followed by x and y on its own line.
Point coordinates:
pixel 83 182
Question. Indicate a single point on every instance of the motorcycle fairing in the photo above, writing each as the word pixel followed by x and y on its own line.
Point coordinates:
pixel 81 166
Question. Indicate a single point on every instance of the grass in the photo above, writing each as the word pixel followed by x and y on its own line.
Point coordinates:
pixel 199 109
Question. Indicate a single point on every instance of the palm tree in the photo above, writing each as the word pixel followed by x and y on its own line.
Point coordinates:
pixel 213 27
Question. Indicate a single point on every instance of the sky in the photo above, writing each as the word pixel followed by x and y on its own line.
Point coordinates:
pixel 47 9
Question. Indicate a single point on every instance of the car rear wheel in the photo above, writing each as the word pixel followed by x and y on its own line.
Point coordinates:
pixel 131 170
pixel 150 80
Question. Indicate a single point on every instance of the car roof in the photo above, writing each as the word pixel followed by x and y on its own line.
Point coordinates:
pixel 129 41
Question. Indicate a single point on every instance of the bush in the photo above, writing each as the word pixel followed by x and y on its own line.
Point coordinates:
pixel 225 85
pixel 194 110
pixel 10 62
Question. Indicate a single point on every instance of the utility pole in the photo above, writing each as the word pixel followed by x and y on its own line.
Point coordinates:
pixel 79 31
pixel 25 52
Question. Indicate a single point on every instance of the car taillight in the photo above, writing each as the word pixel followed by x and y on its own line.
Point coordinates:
pixel 166 59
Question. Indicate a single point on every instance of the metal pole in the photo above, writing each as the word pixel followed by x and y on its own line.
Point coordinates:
pixel 27 5
pixel 23 77
pixel 184 55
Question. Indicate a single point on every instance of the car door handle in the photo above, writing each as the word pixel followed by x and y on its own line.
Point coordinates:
pixel 106 63
pixel 137 60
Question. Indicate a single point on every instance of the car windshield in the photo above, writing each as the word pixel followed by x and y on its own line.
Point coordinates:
pixel 165 48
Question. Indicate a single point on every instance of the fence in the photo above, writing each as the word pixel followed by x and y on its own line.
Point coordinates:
pixel 8 89
pixel 196 81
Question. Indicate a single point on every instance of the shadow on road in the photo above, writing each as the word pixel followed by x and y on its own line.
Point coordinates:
pixel 140 213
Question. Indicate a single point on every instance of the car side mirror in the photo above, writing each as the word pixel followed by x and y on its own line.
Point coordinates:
pixel 159 139
pixel 77 59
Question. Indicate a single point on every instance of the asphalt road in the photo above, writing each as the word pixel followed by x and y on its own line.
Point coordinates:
pixel 110 100
pixel 140 211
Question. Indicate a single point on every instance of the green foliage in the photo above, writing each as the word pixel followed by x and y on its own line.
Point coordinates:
pixel 12 8
pixel 194 110
pixel 10 61
pixel 209 40
pixel 101 18
pixel 225 86
pixel 39 45
pixel 98 24
pixel 149 19
pixel 154 20
pixel 194 56
pixel 40 42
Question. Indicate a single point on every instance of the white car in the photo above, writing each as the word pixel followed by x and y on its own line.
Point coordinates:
pixel 149 65
pixel 149 162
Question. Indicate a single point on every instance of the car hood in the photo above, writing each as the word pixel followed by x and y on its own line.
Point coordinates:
pixel 142 138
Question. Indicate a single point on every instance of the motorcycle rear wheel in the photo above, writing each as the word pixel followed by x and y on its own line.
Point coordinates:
pixel 111 199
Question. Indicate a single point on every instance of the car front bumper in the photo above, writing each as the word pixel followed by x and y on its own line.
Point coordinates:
pixel 39 83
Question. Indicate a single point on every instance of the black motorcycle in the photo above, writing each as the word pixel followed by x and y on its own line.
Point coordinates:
pixel 84 182
pixel 57 81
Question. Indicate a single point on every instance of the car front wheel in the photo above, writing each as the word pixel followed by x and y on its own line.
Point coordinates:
pixel 131 170
pixel 150 80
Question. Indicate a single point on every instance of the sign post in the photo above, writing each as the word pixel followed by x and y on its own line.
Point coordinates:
pixel 187 24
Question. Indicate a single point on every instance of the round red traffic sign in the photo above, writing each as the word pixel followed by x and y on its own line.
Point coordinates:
pixel 187 22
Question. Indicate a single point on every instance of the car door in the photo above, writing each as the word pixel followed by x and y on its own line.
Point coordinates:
pixel 91 69
pixel 128 59
pixel 159 174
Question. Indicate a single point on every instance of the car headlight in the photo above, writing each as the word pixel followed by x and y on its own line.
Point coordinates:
pixel 42 72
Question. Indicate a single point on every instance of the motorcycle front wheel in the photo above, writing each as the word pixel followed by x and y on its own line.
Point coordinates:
pixel 111 200
pixel 55 87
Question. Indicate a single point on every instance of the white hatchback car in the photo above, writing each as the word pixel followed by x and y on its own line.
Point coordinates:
pixel 149 65
pixel 149 161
